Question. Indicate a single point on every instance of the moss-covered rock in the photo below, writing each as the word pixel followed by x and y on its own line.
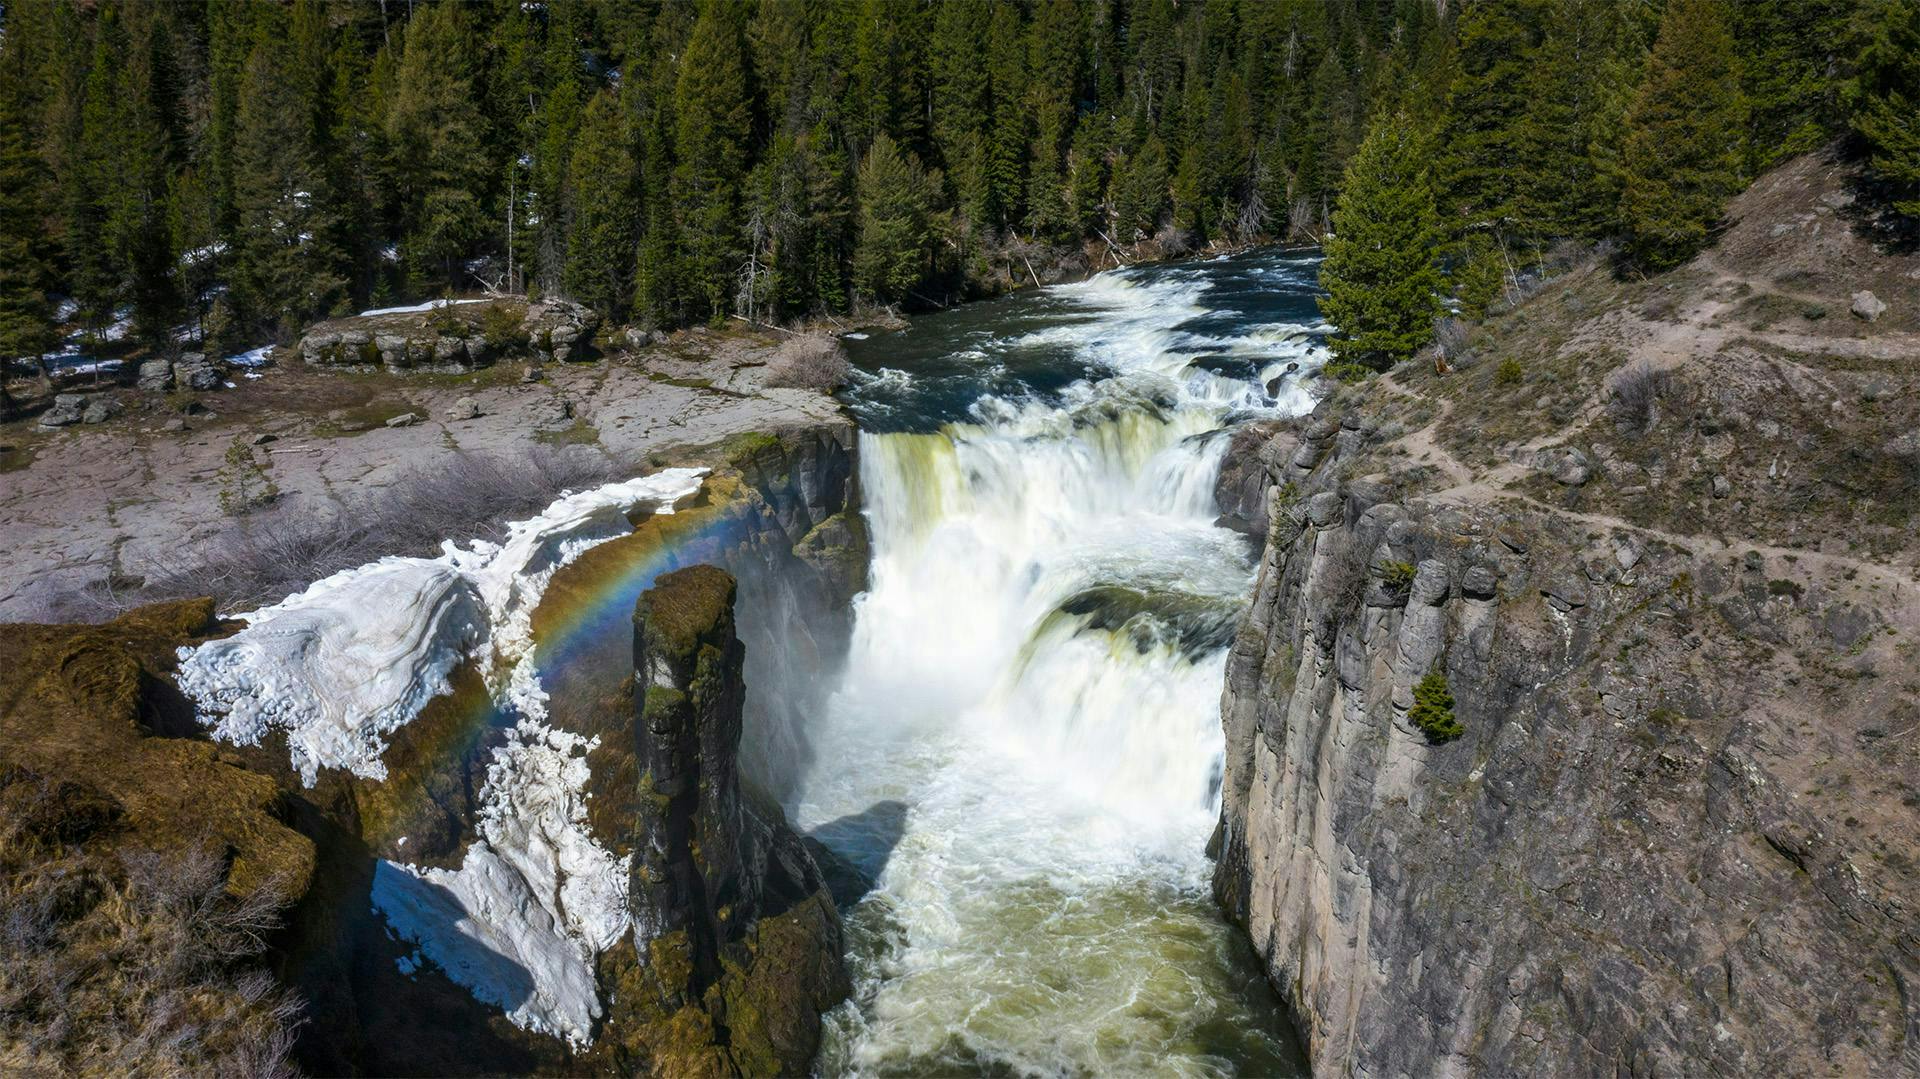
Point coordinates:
pixel 89 707
pixel 743 943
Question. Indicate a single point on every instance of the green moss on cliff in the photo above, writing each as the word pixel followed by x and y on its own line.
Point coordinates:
pixel 683 608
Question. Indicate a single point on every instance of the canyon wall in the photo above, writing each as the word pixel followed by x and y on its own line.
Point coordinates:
pixel 1625 863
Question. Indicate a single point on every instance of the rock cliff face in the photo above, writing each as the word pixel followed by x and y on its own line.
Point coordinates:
pixel 743 944
pixel 1627 863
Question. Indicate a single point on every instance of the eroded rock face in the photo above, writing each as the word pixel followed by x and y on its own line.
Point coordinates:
pixel 743 942
pixel 1625 863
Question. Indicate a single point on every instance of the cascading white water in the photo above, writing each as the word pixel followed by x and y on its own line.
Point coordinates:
pixel 1026 747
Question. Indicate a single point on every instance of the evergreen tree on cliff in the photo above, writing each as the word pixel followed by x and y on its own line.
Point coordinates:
pixel 1681 152
pixel 1383 287
pixel 890 254
pixel 1887 103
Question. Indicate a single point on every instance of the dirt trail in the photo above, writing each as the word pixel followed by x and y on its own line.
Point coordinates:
pixel 1469 489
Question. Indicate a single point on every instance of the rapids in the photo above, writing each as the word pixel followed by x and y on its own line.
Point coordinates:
pixel 1024 751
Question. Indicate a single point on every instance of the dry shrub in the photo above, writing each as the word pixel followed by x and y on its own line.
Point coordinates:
pixel 462 497
pixel 813 362
pixel 1451 335
pixel 1634 393
pixel 1174 241
pixel 136 964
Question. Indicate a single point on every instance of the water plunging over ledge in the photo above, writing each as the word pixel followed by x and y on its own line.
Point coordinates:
pixel 1025 751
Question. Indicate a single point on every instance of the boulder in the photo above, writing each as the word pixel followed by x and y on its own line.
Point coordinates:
pixel 466 408
pixel 1323 509
pixel 1565 594
pixel 68 408
pixel 559 330
pixel 156 376
pixel 1570 468
pixel 1722 487
pixel 100 409
pixel 195 372
pixel 1867 306
pixel 1479 582
pixel 405 419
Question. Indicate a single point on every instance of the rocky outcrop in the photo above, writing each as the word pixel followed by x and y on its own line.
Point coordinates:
pixel 742 941
pixel 71 408
pixel 460 337
pixel 1632 860
pixel 780 513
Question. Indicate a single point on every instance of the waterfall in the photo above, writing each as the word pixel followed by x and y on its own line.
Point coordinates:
pixel 1024 753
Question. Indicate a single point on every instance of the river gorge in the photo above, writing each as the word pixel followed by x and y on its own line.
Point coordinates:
pixel 1025 749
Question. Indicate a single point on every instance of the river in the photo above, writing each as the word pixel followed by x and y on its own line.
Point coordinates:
pixel 1024 752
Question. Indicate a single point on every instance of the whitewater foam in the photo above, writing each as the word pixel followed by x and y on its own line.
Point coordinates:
pixel 1035 672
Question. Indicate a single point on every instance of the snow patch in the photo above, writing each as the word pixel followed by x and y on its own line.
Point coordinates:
pixel 340 665
pixel 253 357
pixel 419 307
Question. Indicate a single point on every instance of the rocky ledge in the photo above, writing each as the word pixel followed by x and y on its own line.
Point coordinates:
pixel 454 336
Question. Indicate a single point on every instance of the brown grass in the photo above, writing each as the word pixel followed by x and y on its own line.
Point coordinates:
pixel 128 964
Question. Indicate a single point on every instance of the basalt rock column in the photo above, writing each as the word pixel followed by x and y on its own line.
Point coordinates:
pixel 741 940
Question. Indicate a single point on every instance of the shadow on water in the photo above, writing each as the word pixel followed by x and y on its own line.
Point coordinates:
pixel 853 850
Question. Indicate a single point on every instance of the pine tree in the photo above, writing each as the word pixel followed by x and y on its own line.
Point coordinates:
pixel 891 254
pixel 605 231
pixel 712 120
pixel 26 318
pixel 1383 287
pixel 1006 149
pixel 1886 103
pixel 282 273
pixel 1572 102
pixel 436 145
pixel 1682 147
pixel 1479 274
pixel 1786 52
pixel 1432 709
pixel 1488 102
pixel 1140 192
